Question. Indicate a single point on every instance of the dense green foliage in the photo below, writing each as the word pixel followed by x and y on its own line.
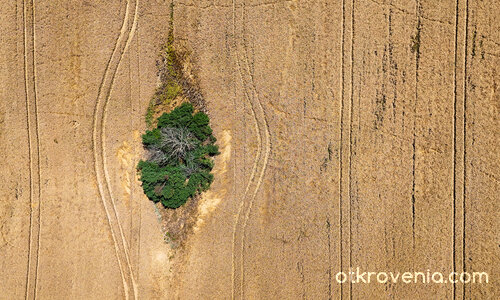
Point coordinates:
pixel 180 151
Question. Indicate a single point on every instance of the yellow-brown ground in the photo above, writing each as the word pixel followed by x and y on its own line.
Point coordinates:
pixel 355 133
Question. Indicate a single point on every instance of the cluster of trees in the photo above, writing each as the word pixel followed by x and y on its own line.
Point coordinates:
pixel 180 157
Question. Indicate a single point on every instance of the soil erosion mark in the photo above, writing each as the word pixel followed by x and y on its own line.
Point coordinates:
pixel 260 162
pixel 33 148
pixel 99 148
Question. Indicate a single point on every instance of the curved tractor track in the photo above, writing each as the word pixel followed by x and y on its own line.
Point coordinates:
pixel 128 28
pixel 260 161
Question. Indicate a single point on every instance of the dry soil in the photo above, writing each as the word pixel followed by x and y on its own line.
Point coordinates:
pixel 353 133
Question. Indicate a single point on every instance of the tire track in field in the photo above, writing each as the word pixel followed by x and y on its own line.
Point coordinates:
pixel 341 128
pixel 459 148
pixel 351 112
pixel 33 148
pixel 262 130
pixel 103 135
pixel 346 137
pixel 267 150
pixel 464 141
pixel 454 149
pixel 254 168
pixel 99 135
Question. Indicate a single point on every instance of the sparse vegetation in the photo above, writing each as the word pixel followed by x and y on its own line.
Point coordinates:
pixel 180 151
pixel 169 75
pixel 415 40
pixel 150 115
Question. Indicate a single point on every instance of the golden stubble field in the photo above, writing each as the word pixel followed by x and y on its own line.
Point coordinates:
pixel 354 133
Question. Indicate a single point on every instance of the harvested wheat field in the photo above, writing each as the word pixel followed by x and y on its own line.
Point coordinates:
pixel 354 135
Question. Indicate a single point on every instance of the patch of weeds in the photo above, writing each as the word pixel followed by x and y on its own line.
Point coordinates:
pixel 415 43
pixel 168 66
pixel 474 35
pixel 415 40
pixel 327 159
pixel 170 236
pixel 150 114
pixel 167 92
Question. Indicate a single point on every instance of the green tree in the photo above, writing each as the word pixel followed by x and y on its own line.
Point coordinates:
pixel 180 157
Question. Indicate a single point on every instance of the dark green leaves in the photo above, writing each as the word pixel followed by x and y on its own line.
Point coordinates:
pixel 181 116
pixel 180 157
pixel 151 137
